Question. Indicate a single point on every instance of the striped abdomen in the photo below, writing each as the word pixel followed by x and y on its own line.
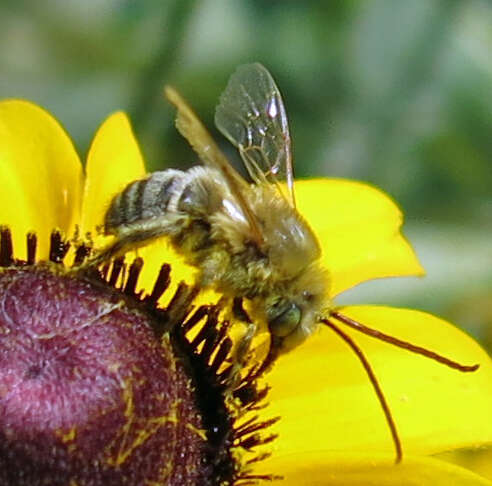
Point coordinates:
pixel 162 197
pixel 141 200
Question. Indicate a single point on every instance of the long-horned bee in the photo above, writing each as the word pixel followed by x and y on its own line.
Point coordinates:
pixel 247 241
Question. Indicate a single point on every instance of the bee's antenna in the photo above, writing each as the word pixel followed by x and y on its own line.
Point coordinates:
pixel 375 385
pixel 401 344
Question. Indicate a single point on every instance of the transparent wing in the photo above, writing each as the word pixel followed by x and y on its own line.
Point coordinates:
pixel 251 115
pixel 204 145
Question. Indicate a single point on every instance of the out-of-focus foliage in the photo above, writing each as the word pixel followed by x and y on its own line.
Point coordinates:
pixel 394 92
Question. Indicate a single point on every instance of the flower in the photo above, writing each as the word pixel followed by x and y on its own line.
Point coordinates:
pixel 332 430
pixel 97 385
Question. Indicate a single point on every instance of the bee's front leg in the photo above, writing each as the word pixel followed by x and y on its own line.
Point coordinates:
pixel 243 347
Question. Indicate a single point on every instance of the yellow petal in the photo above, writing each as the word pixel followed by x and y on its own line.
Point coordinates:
pixel 161 251
pixel 325 469
pixel 327 403
pixel 41 174
pixel 114 160
pixel 359 230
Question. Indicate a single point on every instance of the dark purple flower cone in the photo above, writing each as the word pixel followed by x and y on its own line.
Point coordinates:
pixel 88 394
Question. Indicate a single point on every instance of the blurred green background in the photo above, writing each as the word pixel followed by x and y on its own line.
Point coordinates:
pixel 394 92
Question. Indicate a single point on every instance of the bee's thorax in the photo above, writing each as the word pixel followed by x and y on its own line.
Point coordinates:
pixel 197 212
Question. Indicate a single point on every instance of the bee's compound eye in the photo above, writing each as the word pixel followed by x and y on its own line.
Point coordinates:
pixel 286 320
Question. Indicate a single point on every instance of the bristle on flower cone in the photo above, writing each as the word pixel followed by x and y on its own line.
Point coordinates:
pixel 232 430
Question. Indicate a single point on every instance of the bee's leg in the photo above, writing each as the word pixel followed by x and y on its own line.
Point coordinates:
pixel 239 311
pixel 271 357
pixel 239 359
pixel 122 243
pixel 244 345
pixel 106 254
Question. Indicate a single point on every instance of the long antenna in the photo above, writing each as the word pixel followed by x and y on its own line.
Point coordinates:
pixel 375 384
pixel 401 344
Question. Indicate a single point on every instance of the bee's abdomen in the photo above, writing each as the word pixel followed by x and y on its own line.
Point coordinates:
pixel 144 200
pixel 193 195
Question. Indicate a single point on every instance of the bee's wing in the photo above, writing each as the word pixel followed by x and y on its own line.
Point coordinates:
pixel 204 145
pixel 251 115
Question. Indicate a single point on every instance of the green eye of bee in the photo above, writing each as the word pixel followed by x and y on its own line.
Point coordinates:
pixel 285 321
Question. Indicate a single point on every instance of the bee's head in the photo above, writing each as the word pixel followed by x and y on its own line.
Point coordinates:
pixel 283 318
pixel 291 320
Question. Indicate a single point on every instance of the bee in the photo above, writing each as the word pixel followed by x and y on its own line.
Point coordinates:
pixel 247 241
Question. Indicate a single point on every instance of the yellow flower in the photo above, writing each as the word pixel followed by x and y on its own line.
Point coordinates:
pixel 332 430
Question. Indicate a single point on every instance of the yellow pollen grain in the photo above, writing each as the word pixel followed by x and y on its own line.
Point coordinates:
pixel 68 436
pixel 200 432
